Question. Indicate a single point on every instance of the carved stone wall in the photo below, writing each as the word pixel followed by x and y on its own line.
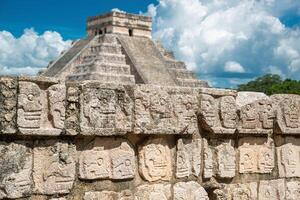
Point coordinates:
pixel 90 140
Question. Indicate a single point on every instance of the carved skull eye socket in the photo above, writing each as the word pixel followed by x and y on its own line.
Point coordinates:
pixel 127 163
pixel 30 97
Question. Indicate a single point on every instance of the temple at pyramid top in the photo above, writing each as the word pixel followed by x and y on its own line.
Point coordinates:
pixel 119 49
pixel 120 23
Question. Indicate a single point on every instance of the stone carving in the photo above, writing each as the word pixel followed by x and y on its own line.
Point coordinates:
pixel 72 109
pixel 106 158
pixel 108 195
pixel 217 111
pixel 106 110
pixel 288 160
pixel 292 190
pixel 53 167
pixel 257 117
pixel 8 105
pixel 273 189
pixel 288 113
pixel 167 111
pixel 189 190
pixel 15 170
pixel 41 107
pixel 207 160
pixel 226 160
pixel 188 160
pixel 151 192
pixel 256 158
pixel 247 191
pixel 155 160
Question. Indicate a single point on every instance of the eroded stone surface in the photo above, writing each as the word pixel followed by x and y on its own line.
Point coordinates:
pixel 217 111
pixel 151 192
pixel 226 159
pixel 188 160
pixel 72 110
pixel 53 167
pixel 207 160
pixel 41 106
pixel 189 190
pixel 288 113
pixel 244 98
pixel 292 190
pixel 108 195
pixel 107 158
pixel 256 158
pixel 8 105
pixel 15 170
pixel 257 117
pixel 105 109
pixel 288 160
pixel 246 191
pixel 155 160
pixel 273 189
pixel 165 111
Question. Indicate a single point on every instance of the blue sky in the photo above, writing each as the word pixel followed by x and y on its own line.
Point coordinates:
pixel 225 42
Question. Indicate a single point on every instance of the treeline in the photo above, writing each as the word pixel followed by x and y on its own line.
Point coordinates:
pixel 272 84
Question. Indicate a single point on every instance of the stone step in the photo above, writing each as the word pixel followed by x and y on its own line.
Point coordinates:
pixel 103 68
pixel 106 58
pixel 104 77
pixel 106 48
pixel 107 38
pixel 183 73
pixel 175 64
pixel 191 83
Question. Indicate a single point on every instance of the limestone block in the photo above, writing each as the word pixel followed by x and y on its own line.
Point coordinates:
pixel 53 167
pixel 108 195
pixel 189 190
pixel 226 159
pixel 107 158
pixel 244 98
pixel 188 160
pixel 272 189
pixel 72 110
pixel 8 105
pixel 165 110
pixel 62 198
pixel 207 160
pixel 105 109
pixel 288 160
pixel 257 117
pixel 246 191
pixel 292 190
pixel 41 106
pixel 15 170
pixel 256 158
pixel 155 160
pixel 288 113
pixel 217 110
pixel 151 192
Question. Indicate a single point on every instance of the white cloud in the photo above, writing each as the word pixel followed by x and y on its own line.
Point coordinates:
pixel 30 52
pixel 209 34
pixel 117 10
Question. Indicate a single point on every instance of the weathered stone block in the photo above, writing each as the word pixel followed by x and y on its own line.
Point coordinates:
pixel 226 159
pixel 257 118
pixel 189 190
pixel 273 189
pixel 107 158
pixel 288 113
pixel 292 190
pixel 208 170
pixel 15 170
pixel 105 109
pixel 108 195
pixel 53 167
pixel 8 105
pixel 151 192
pixel 256 158
pixel 246 191
pixel 217 110
pixel 155 160
pixel 165 110
pixel 288 160
pixel 41 106
pixel 188 160
pixel 72 110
